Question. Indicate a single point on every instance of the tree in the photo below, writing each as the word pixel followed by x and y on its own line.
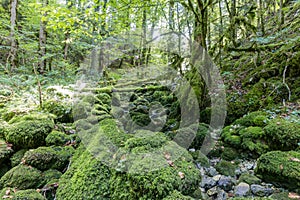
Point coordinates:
pixel 13 41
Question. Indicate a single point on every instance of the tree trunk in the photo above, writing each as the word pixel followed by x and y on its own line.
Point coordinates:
pixel 13 42
pixel 42 42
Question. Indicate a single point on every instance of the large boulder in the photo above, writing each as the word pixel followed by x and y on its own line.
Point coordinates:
pixel 278 167
pixel 22 177
pixel 30 194
pixel 44 158
pixel 142 166
pixel 29 132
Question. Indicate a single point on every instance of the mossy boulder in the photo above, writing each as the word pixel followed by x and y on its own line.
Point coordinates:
pixel 177 195
pixel 22 177
pixel 61 110
pixel 278 167
pixel 249 178
pixel 87 178
pixel 57 138
pixel 5 151
pixel 281 196
pixel 229 154
pixel 29 133
pixel 257 118
pixel 226 168
pixel 43 158
pixel 16 158
pixel 51 175
pixel 282 134
pixel 142 166
pixel 30 194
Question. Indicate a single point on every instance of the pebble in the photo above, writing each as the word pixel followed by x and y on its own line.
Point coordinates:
pixel 242 190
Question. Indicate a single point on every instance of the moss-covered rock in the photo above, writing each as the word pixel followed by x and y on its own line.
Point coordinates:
pixel 226 168
pixel 146 166
pixel 177 195
pixel 57 138
pixel 16 158
pixel 278 167
pixel 29 133
pixel 282 134
pixel 257 118
pixel 30 194
pixel 51 175
pixel 87 178
pixel 229 154
pixel 22 177
pixel 3 128
pixel 281 196
pixel 48 157
pixel 5 151
pixel 249 178
pixel 62 111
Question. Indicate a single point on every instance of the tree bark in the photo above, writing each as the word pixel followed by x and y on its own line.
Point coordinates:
pixel 42 42
pixel 13 42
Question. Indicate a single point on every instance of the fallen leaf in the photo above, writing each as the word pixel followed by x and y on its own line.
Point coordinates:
pixel 7 197
pixel 7 192
pixel 167 156
pixel 294 195
pixel 170 162
pixel 281 167
pixel 295 159
pixel 181 175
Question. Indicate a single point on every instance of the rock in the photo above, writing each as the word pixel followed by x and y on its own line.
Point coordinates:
pixel 249 165
pixel 207 182
pixel 44 158
pixel 226 168
pixel 261 191
pixel 217 177
pixel 22 177
pixel 16 158
pixel 211 171
pixel 29 131
pixel 242 190
pixel 278 166
pixel 222 195
pixel 177 195
pixel 225 183
pixel 57 138
pixel 249 178
pixel 30 194
pixel 212 191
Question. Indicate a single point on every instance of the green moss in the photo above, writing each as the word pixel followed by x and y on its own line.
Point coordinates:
pixel 91 179
pixel 57 138
pixel 282 134
pixel 62 111
pixel 252 198
pixel 29 194
pixel 16 158
pixel 249 178
pixel 177 195
pixel 252 140
pixel 3 169
pixel 230 135
pixel 257 118
pixel 281 196
pixel 5 151
pixel 229 154
pixel 226 168
pixel 51 175
pixel 29 133
pixel 87 178
pixel 202 132
pixel 200 158
pixel 3 128
pixel 278 167
pixel 22 177
pixel 48 157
